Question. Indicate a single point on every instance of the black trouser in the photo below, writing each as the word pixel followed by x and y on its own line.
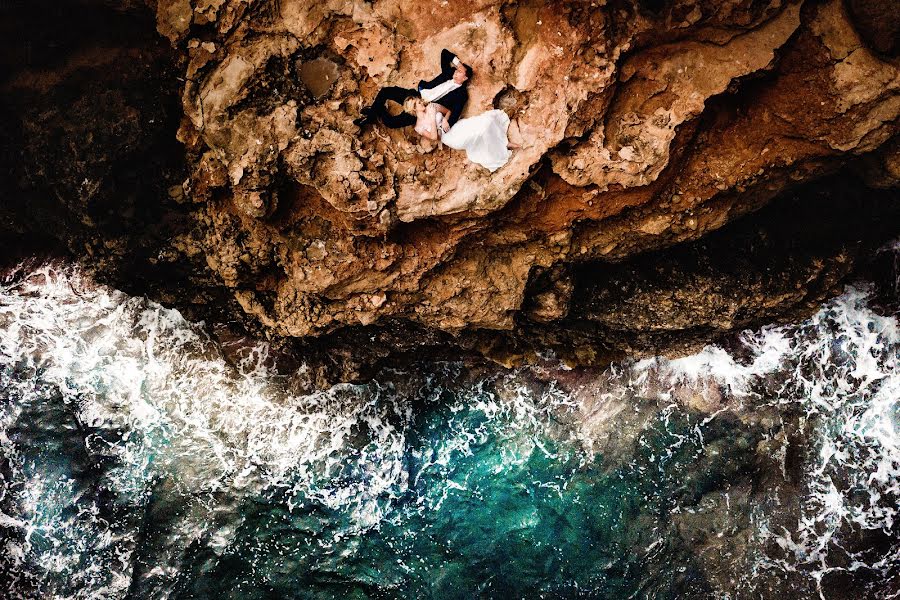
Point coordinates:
pixel 379 107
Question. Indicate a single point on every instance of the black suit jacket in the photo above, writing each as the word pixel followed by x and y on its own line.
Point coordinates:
pixel 399 94
pixel 456 100
pixel 446 73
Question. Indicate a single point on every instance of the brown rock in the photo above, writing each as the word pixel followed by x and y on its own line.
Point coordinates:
pixel 640 129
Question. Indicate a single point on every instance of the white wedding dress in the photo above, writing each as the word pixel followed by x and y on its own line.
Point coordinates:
pixel 483 137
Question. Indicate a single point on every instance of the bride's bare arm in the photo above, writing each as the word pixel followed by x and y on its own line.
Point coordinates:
pixel 444 111
pixel 441 109
pixel 426 124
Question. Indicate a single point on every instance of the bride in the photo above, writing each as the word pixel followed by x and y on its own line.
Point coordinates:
pixel 483 137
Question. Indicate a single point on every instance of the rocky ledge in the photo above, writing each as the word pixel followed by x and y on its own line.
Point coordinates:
pixel 646 124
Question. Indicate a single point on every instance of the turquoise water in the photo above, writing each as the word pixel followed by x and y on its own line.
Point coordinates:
pixel 488 507
pixel 137 461
pixel 508 512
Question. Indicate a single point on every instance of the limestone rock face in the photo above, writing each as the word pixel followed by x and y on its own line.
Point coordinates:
pixel 643 125
pixel 216 159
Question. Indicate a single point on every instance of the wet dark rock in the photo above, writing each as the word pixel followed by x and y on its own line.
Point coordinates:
pixel 878 22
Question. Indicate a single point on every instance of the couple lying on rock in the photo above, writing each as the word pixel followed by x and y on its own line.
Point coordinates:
pixel 437 105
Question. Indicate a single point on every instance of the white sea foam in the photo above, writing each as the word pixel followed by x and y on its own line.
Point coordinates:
pixel 172 408
pixel 162 404
pixel 159 403
pixel 840 368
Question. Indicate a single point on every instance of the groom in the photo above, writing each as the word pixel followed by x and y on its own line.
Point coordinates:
pixel 447 89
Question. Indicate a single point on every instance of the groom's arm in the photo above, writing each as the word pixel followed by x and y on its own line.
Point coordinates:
pixel 448 60
pixel 448 64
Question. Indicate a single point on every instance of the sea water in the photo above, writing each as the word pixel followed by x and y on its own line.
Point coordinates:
pixel 137 460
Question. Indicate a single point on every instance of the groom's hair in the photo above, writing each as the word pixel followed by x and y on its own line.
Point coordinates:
pixel 469 71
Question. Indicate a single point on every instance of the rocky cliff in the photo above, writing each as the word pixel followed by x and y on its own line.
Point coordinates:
pixel 644 125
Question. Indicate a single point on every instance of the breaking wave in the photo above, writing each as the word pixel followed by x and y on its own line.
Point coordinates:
pixel 137 460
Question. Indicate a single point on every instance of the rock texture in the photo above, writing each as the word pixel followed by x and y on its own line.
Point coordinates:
pixel 644 125
pixel 640 130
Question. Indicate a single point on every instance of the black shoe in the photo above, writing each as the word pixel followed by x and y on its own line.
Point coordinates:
pixel 361 122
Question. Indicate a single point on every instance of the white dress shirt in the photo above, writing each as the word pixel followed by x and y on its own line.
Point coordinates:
pixel 438 91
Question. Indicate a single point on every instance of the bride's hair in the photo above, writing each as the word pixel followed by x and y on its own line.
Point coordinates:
pixel 409 105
